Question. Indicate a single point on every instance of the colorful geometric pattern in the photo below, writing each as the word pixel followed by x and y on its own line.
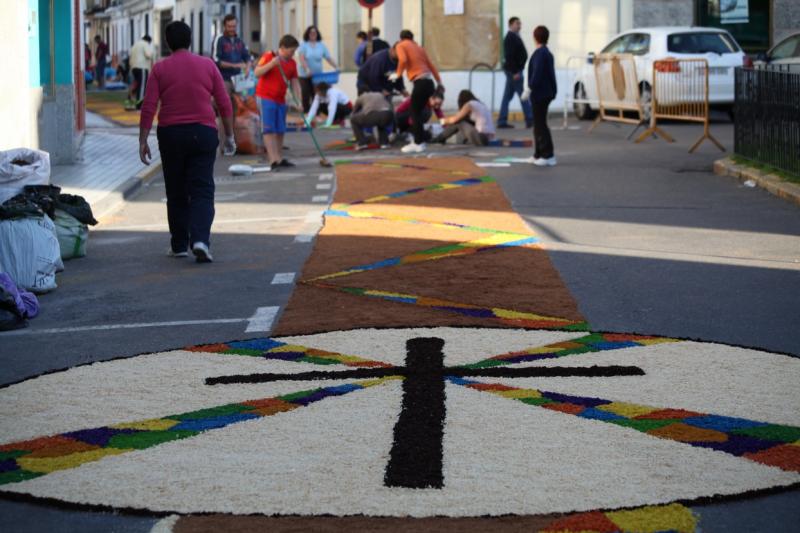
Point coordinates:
pixel 380 164
pixel 496 239
pixel 595 342
pixel 437 224
pixel 271 349
pixel 435 187
pixel 504 316
pixel 769 444
pixel 33 458
pixel 439 252
pixel 508 143
pixel 673 518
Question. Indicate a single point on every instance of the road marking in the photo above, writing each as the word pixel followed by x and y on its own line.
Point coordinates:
pixel 323 186
pixel 314 217
pixel 304 237
pixel 216 222
pixel 320 198
pixel 325 177
pixel 165 525
pixel 262 320
pixel 33 331
pixel 283 278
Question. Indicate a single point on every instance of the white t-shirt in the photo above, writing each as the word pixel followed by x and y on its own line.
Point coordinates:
pixel 142 55
pixel 334 98
pixel 480 115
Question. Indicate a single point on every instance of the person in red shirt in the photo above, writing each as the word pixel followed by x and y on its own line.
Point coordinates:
pixel 187 138
pixel 274 69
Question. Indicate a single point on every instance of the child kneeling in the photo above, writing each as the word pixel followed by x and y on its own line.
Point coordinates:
pixel 473 122
pixel 331 102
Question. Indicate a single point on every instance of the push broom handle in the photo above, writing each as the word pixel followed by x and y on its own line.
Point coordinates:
pixel 297 104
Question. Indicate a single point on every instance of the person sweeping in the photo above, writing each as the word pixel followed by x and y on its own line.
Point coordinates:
pixel 275 70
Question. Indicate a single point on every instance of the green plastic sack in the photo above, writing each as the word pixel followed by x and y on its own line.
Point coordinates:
pixel 72 235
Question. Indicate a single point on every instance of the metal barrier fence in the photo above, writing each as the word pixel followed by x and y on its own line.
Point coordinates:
pixel 617 89
pixel 680 92
pixel 767 117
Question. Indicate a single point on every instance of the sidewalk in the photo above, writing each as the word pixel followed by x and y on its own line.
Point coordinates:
pixel 108 168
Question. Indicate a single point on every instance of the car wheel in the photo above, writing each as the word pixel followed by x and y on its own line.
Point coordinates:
pixel 646 99
pixel 582 111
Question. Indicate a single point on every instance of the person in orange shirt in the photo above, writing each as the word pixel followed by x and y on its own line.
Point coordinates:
pixel 413 60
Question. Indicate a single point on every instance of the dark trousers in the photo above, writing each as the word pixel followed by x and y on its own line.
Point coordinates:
pixel 423 90
pixel 514 87
pixel 380 119
pixel 307 90
pixel 541 132
pixel 466 132
pixel 100 74
pixel 188 152
pixel 140 76
pixel 342 111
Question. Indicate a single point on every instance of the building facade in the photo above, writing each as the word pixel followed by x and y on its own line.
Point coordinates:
pixel 42 92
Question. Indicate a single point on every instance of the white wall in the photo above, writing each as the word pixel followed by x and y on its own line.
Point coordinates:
pixel 19 103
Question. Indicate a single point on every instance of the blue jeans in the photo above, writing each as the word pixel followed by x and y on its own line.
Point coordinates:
pixel 188 152
pixel 514 87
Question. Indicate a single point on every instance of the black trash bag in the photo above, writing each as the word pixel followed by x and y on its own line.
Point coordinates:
pixel 20 206
pixel 10 317
pixel 77 206
pixel 44 195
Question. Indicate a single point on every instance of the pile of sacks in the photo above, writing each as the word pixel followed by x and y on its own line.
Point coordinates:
pixel 39 229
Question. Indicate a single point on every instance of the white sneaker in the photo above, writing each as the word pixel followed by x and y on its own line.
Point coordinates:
pixel 201 253
pixel 413 148
pixel 360 147
pixel 551 162
pixel 540 162
pixel 173 253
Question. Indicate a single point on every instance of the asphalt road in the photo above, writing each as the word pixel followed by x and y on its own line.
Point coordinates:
pixel 645 236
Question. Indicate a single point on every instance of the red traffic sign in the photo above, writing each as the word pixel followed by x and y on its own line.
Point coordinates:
pixel 370 4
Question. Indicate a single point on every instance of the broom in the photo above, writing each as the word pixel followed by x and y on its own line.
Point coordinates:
pixel 323 162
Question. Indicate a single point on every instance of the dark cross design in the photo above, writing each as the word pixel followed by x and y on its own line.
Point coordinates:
pixel 415 460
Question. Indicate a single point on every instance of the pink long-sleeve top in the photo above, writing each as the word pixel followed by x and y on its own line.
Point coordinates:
pixel 184 83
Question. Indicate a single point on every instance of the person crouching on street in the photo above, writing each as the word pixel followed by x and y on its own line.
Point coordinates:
pixel 184 84
pixel 473 122
pixel 274 71
pixel 372 110
pixel 332 103
pixel 541 90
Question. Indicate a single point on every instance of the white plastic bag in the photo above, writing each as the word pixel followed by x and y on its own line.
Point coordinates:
pixel 72 235
pixel 20 167
pixel 29 252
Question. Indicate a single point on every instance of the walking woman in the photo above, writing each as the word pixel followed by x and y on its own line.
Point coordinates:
pixel 310 56
pixel 184 84
pixel 542 89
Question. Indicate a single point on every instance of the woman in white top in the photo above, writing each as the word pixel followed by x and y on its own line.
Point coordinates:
pixel 473 122
pixel 329 101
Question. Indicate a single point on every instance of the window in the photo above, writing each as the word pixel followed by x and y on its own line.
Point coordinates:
pixel 752 35
pixel 701 43
pixel 200 32
pixel 638 44
pixel 617 46
pixel 786 49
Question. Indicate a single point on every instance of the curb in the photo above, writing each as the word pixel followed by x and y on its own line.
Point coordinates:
pixel 115 199
pixel 770 182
